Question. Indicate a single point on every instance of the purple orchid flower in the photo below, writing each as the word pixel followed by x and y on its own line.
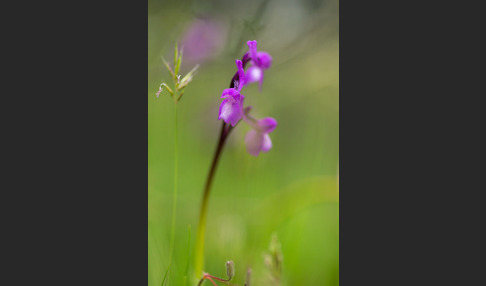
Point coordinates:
pixel 257 140
pixel 260 62
pixel 231 109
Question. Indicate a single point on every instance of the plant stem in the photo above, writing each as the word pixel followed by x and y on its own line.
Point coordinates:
pixel 201 228
pixel 174 202
pixel 199 254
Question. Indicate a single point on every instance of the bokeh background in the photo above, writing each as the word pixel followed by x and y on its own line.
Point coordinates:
pixel 290 192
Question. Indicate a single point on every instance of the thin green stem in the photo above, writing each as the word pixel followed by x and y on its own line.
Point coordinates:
pixel 174 202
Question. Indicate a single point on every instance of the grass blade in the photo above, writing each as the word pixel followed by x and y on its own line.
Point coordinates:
pixel 165 276
pixel 176 56
pixel 177 65
pixel 188 77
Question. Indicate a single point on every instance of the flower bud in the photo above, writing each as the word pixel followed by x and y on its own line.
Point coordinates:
pixel 230 269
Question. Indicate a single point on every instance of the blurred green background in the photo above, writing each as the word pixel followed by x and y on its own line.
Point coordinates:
pixel 291 191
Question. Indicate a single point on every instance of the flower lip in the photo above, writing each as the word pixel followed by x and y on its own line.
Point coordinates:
pixel 254 74
pixel 257 142
pixel 231 109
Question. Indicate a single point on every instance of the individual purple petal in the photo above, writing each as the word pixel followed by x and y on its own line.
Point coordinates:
pixel 254 142
pixel 241 75
pixel 267 124
pixel 252 45
pixel 264 60
pixel 229 92
pixel 267 143
pixel 223 109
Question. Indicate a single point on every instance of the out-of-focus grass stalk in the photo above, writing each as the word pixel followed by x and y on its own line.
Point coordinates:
pixel 174 201
pixel 176 95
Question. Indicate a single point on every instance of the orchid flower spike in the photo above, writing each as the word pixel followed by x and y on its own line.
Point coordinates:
pixel 257 140
pixel 260 62
pixel 231 109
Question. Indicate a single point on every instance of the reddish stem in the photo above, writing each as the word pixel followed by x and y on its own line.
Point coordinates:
pixel 212 281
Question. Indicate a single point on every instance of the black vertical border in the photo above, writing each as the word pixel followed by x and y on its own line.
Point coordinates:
pixel 92 214
pixel 376 133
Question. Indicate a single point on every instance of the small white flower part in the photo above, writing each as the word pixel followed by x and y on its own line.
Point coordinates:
pixel 158 92
pixel 255 74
